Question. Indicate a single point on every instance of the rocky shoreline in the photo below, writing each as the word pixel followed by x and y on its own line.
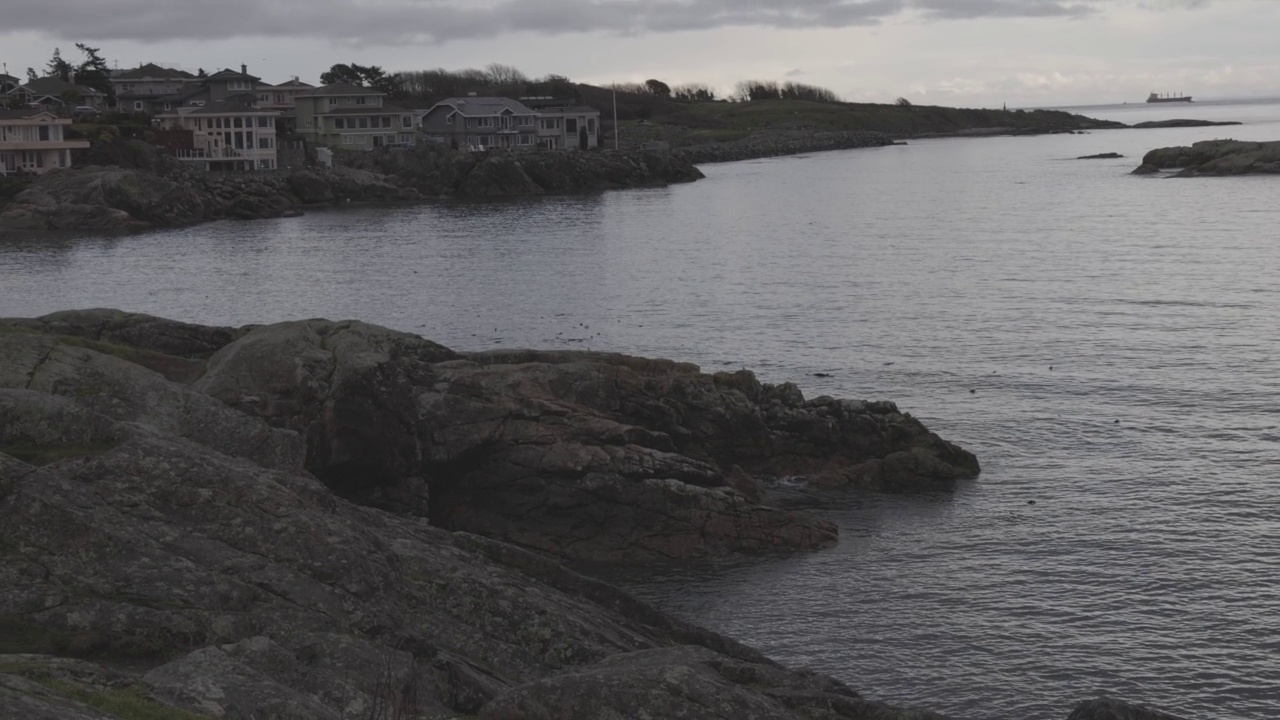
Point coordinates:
pixel 1214 158
pixel 145 189
pixel 777 143
pixel 333 520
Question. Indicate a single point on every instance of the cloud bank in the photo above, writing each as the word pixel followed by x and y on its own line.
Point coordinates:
pixel 435 21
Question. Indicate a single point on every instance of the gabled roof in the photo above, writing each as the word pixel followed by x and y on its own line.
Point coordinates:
pixel 153 71
pixel 54 87
pixel 365 110
pixel 24 113
pixel 231 75
pixel 342 89
pixel 485 106
pixel 290 84
pixel 230 107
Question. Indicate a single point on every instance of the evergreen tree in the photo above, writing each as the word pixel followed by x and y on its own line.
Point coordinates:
pixel 94 72
pixel 57 67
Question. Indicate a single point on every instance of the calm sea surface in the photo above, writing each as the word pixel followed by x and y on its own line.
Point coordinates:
pixel 1108 345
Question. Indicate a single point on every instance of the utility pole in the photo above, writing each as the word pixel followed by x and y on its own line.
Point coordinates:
pixel 615 116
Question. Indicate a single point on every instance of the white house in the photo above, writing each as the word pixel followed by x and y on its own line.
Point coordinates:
pixel 32 140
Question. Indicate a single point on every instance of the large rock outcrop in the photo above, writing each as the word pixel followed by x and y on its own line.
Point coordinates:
pixel 590 456
pixel 1214 157
pixel 179 544
pixel 172 545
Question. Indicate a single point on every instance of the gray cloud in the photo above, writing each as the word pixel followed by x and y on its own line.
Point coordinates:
pixel 433 21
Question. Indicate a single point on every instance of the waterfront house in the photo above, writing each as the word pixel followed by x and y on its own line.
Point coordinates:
pixel 280 97
pixel 568 127
pixel 33 140
pixel 497 122
pixel 231 135
pixel 52 92
pixel 481 123
pixel 215 88
pixel 143 89
pixel 350 117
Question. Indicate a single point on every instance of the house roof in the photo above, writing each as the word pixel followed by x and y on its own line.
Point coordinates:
pixel 23 113
pixel 290 85
pixel 569 110
pixel 483 106
pixel 153 71
pixel 342 88
pixel 231 75
pixel 365 110
pixel 54 87
pixel 230 107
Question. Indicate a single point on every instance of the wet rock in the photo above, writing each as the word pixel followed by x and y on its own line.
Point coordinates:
pixel 1108 709
pixel 1216 158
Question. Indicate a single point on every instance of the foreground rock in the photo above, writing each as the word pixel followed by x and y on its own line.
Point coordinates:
pixel 1215 158
pixel 585 455
pixel 196 524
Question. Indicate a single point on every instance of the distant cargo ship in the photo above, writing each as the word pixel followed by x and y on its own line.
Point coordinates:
pixel 1158 98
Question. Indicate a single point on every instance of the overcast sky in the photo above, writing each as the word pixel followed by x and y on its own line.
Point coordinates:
pixel 951 52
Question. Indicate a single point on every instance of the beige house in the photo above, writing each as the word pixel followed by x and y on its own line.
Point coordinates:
pixel 32 140
pixel 349 117
pixel 227 135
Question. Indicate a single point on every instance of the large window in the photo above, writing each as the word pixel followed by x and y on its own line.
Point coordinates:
pixel 571 125
pixel 386 122
pixel 264 122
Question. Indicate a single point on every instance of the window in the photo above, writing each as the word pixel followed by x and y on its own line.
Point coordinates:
pixel 137 104
pixel 264 97
pixel 264 143
pixel 168 106
pixel 449 119
pixel 571 125
pixel 406 121
pixel 386 122
pixel 526 139
pixel 311 122
pixel 360 100
pixel 364 122
pixel 337 124
pixel 238 85
pixel 591 126
pixel 264 122
pixel 264 164
pixel 239 122
pixel 333 101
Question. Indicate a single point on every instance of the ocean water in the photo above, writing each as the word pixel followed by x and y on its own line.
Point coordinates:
pixel 1108 345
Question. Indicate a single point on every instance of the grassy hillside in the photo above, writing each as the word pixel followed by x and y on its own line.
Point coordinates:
pixel 696 122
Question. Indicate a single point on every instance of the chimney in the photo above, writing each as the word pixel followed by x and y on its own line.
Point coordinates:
pixel 244 69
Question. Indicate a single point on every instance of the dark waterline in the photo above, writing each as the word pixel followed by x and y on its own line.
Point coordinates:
pixel 1147 567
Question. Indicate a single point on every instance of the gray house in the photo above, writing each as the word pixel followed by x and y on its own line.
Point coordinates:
pixel 138 89
pixel 482 122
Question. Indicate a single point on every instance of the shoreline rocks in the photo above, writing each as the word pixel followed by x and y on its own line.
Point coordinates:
pixel 1214 158
pixel 1154 124
pixel 224 522
pixel 779 143
pixel 152 190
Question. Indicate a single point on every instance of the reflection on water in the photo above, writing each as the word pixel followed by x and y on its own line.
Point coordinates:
pixel 1106 344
